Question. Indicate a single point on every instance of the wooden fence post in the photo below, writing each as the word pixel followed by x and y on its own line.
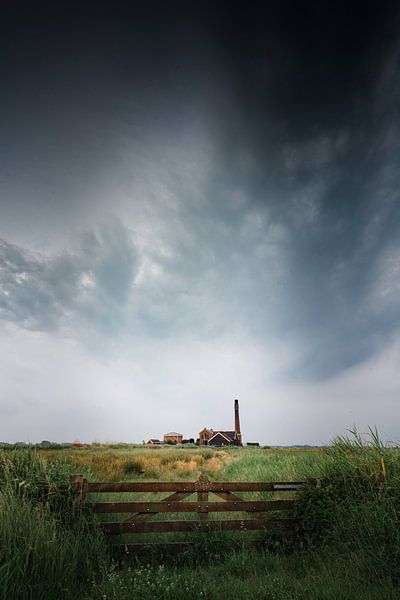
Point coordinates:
pixel 80 486
pixel 202 496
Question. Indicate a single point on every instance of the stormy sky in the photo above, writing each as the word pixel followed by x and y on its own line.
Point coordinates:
pixel 199 203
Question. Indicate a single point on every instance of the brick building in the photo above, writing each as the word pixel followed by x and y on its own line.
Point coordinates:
pixel 209 437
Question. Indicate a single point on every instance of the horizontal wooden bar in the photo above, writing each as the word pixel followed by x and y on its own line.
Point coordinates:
pixel 173 497
pixel 172 507
pixel 193 486
pixel 196 525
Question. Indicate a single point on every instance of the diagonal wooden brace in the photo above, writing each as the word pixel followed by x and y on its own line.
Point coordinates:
pixel 229 496
pixel 177 496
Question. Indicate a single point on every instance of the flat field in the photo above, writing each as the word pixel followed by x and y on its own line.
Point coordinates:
pixel 175 463
pixel 350 546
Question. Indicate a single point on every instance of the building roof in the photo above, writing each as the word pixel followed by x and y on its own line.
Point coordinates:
pixel 230 436
pixel 173 433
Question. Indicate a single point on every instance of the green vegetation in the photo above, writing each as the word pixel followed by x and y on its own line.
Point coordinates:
pixel 354 508
pixel 44 551
pixel 350 518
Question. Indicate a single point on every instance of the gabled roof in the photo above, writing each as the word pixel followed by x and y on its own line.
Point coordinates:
pixel 230 436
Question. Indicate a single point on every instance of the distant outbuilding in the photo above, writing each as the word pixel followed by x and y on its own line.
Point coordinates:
pixel 173 438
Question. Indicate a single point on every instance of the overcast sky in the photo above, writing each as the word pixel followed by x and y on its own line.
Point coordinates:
pixel 198 205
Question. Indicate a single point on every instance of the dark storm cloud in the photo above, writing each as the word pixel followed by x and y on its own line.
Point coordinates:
pixel 313 140
pixel 50 293
pixel 298 237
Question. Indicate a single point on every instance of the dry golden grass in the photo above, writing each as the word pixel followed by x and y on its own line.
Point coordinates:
pixel 110 464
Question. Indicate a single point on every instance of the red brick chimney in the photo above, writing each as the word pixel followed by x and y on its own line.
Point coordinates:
pixel 237 423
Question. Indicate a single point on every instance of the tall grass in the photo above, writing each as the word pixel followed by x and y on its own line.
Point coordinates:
pixel 42 559
pixel 350 518
pixel 45 552
pixel 47 483
pixel 168 463
pixel 354 506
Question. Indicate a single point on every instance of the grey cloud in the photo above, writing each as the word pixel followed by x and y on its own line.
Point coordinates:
pixel 301 264
pixel 285 230
pixel 338 212
pixel 93 281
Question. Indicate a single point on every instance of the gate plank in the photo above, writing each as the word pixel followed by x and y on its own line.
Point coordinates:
pixel 230 496
pixel 145 515
pixel 193 486
pixel 154 507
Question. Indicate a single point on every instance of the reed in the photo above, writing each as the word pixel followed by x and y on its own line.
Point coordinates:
pixel 350 519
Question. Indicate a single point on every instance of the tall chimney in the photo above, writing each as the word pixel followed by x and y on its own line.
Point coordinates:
pixel 237 423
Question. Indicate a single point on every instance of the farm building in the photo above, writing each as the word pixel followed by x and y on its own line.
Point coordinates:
pixel 153 442
pixel 205 435
pixel 209 437
pixel 173 438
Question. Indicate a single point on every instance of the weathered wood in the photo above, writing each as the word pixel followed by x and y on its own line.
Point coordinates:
pixel 229 496
pixel 193 486
pixel 202 500
pixel 138 522
pixel 81 487
pixel 197 525
pixel 199 507
pixel 145 515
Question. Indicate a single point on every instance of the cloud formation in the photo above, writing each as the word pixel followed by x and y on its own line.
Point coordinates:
pixel 94 281
pixel 185 196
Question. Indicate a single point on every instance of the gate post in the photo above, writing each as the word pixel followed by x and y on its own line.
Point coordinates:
pixel 202 496
pixel 80 486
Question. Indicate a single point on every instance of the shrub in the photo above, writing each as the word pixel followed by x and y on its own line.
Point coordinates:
pixel 132 467
pixel 24 473
pixel 354 505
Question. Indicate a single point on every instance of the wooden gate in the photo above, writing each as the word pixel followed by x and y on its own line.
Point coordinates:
pixel 137 514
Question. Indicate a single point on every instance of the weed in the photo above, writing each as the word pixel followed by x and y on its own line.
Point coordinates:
pixel 132 467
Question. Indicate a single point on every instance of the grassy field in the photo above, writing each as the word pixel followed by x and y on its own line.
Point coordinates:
pixel 350 520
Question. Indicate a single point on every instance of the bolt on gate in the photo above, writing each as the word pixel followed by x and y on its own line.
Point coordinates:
pixel 141 512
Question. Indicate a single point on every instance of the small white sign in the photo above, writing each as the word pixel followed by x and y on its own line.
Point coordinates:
pixel 287 486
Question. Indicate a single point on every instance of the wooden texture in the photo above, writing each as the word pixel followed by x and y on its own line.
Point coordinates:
pixel 139 522
pixel 145 515
pixel 230 496
pixel 202 500
pixel 193 486
pixel 199 507
pixel 81 487
pixel 196 525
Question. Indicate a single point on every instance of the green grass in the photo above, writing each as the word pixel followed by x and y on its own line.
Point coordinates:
pixel 350 520
pixel 45 552
pixel 245 574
